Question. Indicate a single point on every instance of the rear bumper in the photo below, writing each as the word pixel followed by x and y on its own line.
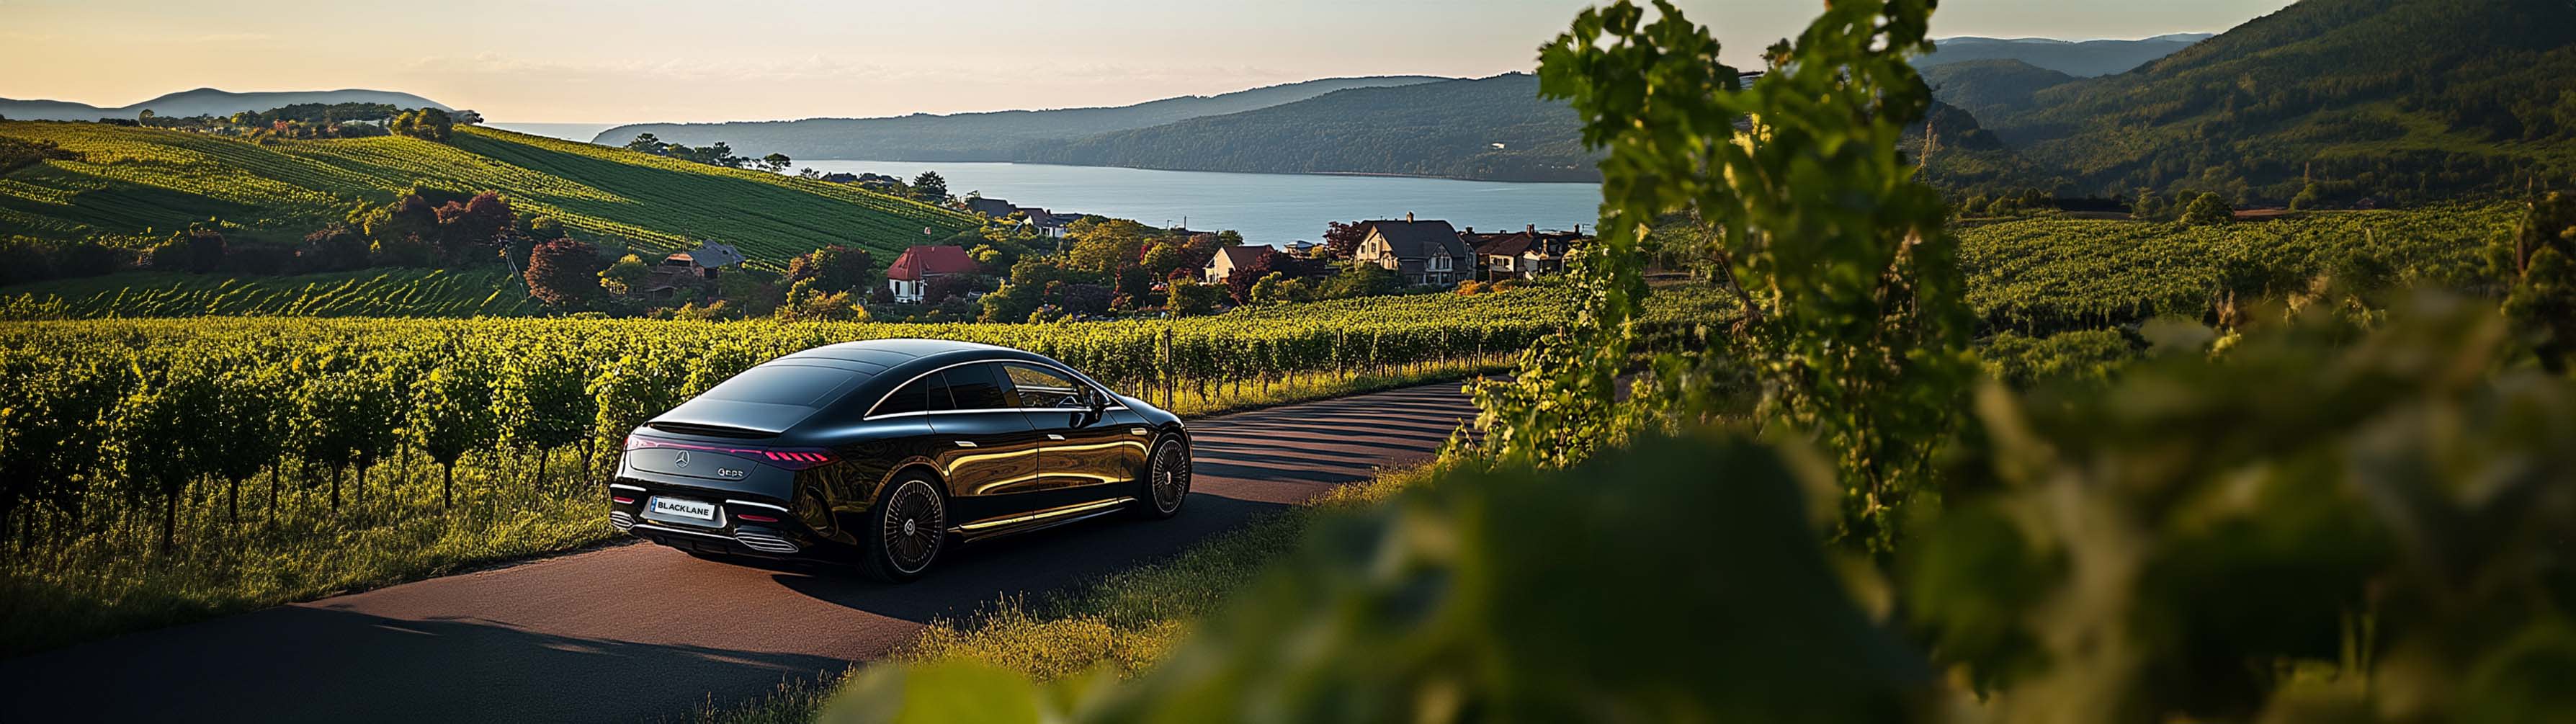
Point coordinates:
pixel 781 536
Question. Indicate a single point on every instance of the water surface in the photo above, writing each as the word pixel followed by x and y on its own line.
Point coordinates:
pixel 1266 208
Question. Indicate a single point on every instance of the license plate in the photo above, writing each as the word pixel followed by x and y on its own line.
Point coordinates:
pixel 684 508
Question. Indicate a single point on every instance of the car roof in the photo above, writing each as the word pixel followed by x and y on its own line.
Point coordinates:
pixel 889 352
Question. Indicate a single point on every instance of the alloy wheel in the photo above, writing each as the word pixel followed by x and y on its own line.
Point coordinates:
pixel 1171 477
pixel 915 523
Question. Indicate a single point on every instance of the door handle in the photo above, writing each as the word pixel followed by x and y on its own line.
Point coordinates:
pixel 965 443
pixel 1053 436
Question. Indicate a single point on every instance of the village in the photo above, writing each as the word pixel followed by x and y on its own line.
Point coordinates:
pixel 1034 264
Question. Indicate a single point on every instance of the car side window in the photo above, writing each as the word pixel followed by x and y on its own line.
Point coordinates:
pixel 1041 387
pixel 978 387
pixel 928 394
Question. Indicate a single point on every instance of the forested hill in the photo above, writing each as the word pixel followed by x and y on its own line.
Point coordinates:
pixel 993 136
pixel 2086 58
pixel 2389 99
pixel 204 101
pixel 1490 128
pixel 129 185
pixel 1992 87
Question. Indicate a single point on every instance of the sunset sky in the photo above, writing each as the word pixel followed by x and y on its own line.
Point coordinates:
pixel 653 60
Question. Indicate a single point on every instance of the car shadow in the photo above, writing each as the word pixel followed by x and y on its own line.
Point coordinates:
pixel 972 576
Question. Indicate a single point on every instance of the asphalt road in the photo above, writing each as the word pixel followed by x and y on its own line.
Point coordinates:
pixel 640 631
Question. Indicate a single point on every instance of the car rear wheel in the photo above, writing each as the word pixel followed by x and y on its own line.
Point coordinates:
pixel 1167 481
pixel 908 527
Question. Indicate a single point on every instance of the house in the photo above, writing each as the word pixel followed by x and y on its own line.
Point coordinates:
pixel 1421 252
pixel 1048 224
pixel 1052 224
pixel 1230 258
pixel 689 268
pixel 1523 254
pixel 840 177
pixel 995 208
pixel 909 276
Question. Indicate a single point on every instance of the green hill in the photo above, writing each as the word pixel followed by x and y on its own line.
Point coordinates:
pixel 1992 87
pixel 990 136
pixel 1489 128
pixel 2391 99
pixel 134 184
pixel 1966 159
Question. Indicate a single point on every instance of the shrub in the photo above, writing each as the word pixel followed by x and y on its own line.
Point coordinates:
pixel 564 272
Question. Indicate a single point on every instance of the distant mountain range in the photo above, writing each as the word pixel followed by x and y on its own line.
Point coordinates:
pixel 204 101
pixel 2080 58
pixel 989 136
pixel 2386 99
pixel 1488 128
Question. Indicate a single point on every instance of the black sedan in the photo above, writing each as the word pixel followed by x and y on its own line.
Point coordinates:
pixel 888 452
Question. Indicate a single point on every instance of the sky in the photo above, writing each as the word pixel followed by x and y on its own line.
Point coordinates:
pixel 657 60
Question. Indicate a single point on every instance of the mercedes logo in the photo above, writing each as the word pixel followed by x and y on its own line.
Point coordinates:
pixel 680 458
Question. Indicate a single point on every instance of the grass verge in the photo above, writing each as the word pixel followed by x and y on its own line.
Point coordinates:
pixel 1124 621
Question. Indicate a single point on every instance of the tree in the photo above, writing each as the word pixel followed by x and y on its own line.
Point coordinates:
pixel 564 272
pixel 623 277
pixel 425 123
pixel 1362 279
pixel 775 163
pixel 1342 240
pixel 467 230
pixel 2208 210
pixel 647 143
pixel 948 286
pixel 1080 299
pixel 198 249
pixel 1272 289
pixel 2150 206
pixel 2308 198
pixel 1191 298
pixel 930 186
pixel 754 292
pixel 833 268
pixel 806 304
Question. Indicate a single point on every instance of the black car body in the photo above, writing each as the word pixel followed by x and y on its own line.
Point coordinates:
pixel 886 452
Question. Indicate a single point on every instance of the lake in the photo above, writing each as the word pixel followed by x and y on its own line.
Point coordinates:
pixel 1265 208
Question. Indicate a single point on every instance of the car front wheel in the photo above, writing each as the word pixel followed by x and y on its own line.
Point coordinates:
pixel 1167 481
pixel 908 527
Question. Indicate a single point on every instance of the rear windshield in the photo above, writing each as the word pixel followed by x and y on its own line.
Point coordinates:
pixel 797 385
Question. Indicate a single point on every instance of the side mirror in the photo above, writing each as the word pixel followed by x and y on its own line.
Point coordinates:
pixel 1099 400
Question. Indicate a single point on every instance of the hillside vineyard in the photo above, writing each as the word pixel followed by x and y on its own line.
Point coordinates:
pixel 140 183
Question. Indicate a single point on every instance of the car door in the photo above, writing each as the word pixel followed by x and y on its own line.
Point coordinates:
pixel 992 453
pixel 1085 447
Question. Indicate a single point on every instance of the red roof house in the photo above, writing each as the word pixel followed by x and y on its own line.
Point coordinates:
pixel 911 273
